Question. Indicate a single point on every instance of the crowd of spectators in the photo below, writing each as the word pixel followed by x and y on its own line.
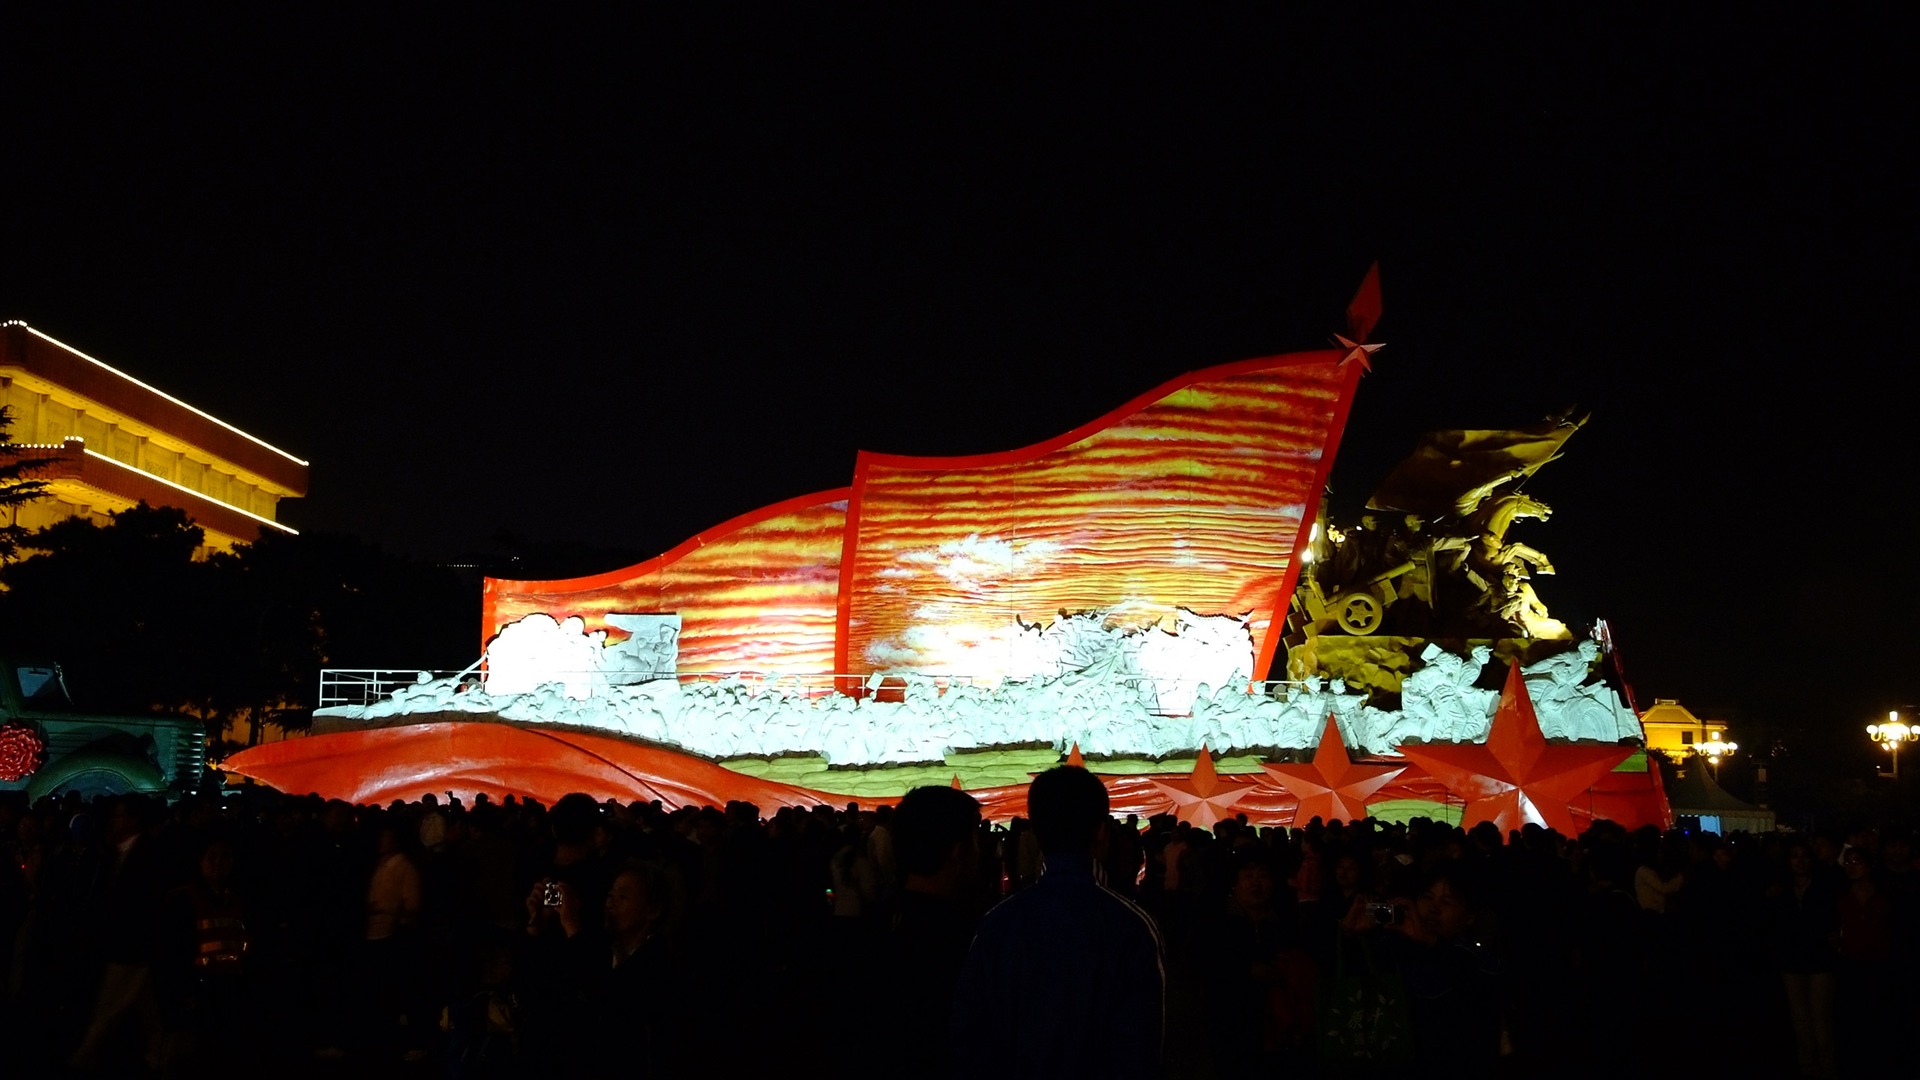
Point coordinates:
pixel 587 939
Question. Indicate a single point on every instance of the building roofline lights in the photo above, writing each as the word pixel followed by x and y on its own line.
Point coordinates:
pixel 269 522
pixel 158 392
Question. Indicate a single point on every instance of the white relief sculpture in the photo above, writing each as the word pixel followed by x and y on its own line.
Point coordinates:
pixel 1439 703
pixel 1571 707
pixel 547 672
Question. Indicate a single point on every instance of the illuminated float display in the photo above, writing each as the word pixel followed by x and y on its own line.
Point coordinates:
pixel 1113 593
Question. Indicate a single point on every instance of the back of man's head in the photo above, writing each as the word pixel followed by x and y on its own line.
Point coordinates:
pixel 929 824
pixel 572 819
pixel 1069 807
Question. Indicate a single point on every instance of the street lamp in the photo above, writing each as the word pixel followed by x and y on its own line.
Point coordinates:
pixel 1713 750
pixel 1891 734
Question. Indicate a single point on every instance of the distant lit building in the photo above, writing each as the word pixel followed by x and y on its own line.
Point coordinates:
pixel 1674 731
pixel 111 441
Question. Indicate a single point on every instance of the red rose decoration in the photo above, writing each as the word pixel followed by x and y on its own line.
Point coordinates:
pixel 22 752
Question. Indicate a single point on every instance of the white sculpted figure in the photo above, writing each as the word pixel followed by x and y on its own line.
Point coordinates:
pixel 649 708
pixel 1070 643
pixel 651 649
pixel 1231 716
pixel 1568 707
pixel 1214 650
pixel 1439 703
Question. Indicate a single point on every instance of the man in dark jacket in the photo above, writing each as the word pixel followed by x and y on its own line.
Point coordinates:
pixel 1066 978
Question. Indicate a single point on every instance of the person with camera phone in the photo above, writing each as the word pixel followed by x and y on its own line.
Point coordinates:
pixel 554 905
pixel 1437 944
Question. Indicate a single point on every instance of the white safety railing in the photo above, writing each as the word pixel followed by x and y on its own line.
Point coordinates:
pixel 357 687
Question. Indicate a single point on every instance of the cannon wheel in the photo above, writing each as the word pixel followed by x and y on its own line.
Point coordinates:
pixel 1359 613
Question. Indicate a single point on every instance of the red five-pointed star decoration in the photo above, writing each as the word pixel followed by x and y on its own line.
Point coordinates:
pixel 1203 798
pixel 1516 777
pixel 1357 351
pixel 1332 787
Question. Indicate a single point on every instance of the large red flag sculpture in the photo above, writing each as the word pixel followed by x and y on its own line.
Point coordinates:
pixel 1516 777
pixel 1332 787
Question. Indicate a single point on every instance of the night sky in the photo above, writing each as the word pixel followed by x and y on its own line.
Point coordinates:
pixel 611 281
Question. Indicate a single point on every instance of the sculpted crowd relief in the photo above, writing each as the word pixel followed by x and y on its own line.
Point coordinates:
pixel 1113 706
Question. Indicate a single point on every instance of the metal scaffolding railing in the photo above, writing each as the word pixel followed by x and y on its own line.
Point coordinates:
pixel 361 687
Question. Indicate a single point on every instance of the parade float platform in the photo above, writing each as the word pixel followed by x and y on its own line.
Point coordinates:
pixel 1107 597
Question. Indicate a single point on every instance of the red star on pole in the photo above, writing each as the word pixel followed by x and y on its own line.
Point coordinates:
pixel 1203 799
pixel 1516 777
pixel 1332 787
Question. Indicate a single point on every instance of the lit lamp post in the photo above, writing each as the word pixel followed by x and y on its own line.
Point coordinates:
pixel 1713 750
pixel 1891 734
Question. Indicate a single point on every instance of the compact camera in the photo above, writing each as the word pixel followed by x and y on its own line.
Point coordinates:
pixel 550 894
pixel 1384 914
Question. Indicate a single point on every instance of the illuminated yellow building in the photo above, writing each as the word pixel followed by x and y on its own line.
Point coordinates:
pixel 1674 731
pixel 110 441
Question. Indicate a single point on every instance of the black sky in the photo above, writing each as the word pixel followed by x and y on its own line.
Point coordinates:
pixel 610 280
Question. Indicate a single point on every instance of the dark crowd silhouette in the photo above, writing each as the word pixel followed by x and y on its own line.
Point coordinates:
pixel 515 939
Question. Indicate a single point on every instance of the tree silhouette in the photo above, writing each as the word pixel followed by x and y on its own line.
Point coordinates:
pixel 17 487
pixel 140 623
pixel 120 606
